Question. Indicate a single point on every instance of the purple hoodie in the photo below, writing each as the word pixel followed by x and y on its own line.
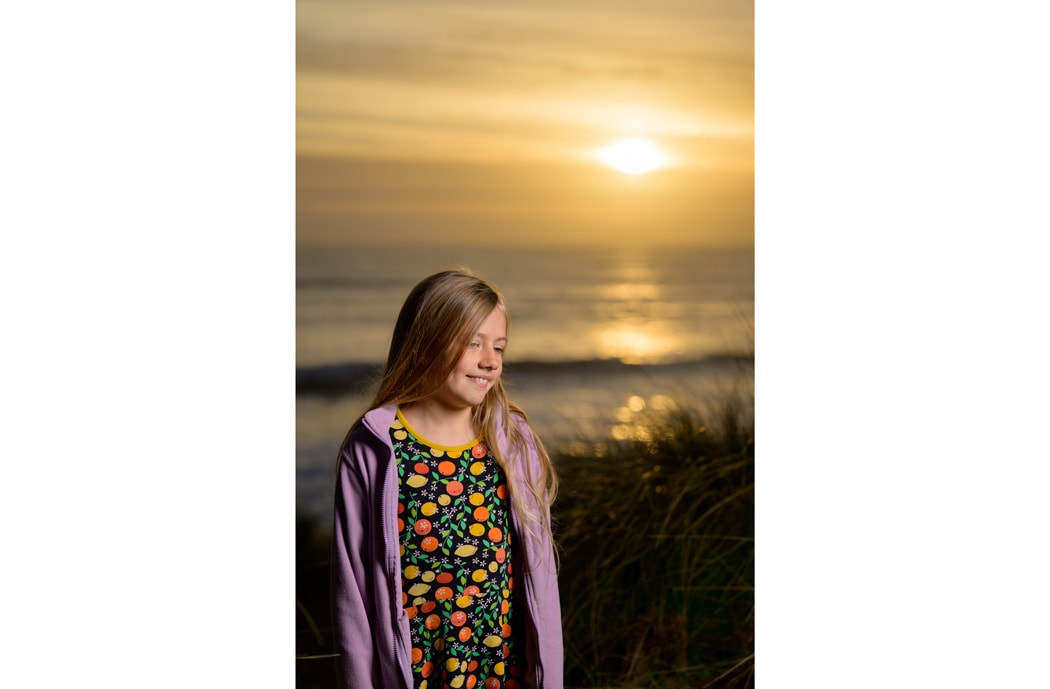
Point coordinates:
pixel 372 632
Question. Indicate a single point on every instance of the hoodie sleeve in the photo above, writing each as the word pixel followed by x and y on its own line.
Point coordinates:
pixel 543 585
pixel 353 606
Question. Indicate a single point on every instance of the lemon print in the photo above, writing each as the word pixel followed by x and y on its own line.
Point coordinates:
pixel 476 529
pixel 476 499
pixel 464 601
pixel 451 664
pixel 400 435
pixel 444 499
pixel 411 572
pixel 479 575
pixel 499 668
pixel 477 467
pixel 428 576
pixel 492 641
pixel 418 589
pixel 457 681
pixel 428 509
pixel 493 567
pixel 434 452
pixel 416 481
pixel 466 550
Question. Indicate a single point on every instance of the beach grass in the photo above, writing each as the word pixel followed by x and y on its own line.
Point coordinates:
pixel 656 536
pixel 656 540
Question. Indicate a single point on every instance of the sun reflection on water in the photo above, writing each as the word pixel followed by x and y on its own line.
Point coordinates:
pixel 630 292
pixel 635 322
pixel 638 343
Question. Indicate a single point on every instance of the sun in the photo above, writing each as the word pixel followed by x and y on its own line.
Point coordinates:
pixel 633 156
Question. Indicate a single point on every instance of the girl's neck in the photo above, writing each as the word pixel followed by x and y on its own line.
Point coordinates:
pixel 441 424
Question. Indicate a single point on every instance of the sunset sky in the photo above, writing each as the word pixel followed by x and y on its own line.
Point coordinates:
pixel 460 121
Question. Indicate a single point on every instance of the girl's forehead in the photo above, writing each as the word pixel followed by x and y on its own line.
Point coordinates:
pixel 495 324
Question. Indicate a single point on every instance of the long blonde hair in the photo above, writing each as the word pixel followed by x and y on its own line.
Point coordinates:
pixel 433 329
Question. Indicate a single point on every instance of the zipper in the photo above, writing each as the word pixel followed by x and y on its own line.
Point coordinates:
pixel 394 578
pixel 396 625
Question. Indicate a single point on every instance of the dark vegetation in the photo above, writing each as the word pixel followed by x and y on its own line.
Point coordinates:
pixel 657 541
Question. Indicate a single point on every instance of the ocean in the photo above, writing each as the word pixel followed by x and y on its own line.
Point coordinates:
pixel 598 337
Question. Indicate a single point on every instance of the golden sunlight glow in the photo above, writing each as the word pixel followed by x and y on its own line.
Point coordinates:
pixel 637 344
pixel 633 156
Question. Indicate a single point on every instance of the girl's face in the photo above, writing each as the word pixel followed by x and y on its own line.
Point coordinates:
pixel 480 365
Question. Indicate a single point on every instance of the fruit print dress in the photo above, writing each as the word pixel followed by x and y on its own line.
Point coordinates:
pixel 458 590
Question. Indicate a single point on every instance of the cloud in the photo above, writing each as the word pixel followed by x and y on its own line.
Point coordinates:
pixel 356 201
pixel 660 51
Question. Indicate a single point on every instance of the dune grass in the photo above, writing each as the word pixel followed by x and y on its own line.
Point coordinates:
pixel 656 539
pixel 657 553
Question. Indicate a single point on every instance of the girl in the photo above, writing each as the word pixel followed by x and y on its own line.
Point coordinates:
pixel 443 569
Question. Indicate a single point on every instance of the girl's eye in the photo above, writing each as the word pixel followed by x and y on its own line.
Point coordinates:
pixel 475 345
pixel 499 350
